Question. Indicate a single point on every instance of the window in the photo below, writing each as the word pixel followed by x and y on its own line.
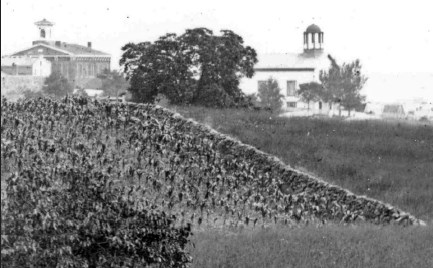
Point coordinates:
pixel 291 88
pixel 292 104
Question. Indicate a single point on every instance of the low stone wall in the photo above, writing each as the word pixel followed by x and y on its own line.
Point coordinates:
pixel 301 192
pixel 12 87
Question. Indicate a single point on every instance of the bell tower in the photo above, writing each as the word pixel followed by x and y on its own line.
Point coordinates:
pixel 313 40
pixel 44 28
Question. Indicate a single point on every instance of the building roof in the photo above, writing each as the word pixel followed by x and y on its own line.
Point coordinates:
pixel 76 49
pixel 291 61
pixel 44 22
pixel 20 61
pixel 313 28
pixel 64 49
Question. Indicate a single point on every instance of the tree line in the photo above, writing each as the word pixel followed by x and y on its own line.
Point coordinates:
pixel 201 68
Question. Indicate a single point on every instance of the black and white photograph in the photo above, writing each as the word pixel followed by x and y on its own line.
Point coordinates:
pixel 197 134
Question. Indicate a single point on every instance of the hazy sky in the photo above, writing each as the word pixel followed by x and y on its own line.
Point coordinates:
pixel 389 37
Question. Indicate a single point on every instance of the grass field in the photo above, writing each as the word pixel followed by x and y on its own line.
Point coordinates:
pixel 392 162
pixel 330 246
pixel 388 161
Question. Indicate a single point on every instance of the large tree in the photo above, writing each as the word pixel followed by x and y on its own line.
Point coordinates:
pixel 196 67
pixel 270 95
pixel 342 84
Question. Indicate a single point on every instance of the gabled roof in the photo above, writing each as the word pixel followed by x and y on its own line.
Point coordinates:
pixel 290 61
pixel 67 48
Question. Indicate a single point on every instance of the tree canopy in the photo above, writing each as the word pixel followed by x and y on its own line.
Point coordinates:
pixel 310 92
pixel 270 96
pixel 196 67
pixel 342 84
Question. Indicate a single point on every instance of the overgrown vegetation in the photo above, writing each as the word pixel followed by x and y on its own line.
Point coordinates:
pixel 54 216
pixel 98 150
pixel 57 86
pixel 113 83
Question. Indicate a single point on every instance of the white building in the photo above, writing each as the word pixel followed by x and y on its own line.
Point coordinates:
pixel 292 69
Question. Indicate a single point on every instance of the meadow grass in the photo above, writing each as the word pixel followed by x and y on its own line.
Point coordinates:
pixel 328 246
pixel 389 161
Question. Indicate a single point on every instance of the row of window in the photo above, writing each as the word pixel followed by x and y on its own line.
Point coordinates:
pixel 290 89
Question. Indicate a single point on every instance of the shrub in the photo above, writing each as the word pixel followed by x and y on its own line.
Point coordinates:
pixel 103 227
pixel 56 85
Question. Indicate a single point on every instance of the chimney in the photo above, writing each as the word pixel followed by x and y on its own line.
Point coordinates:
pixel 58 44
pixel 89 44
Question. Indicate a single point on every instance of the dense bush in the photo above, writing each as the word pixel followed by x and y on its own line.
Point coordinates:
pixel 64 217
pixel 57 85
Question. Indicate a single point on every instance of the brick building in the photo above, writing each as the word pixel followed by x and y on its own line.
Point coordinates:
pixel 79 64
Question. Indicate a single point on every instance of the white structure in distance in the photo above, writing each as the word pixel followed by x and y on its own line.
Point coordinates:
pixel 292 69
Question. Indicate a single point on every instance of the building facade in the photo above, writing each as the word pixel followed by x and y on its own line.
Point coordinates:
pixel 79 64
pixel 26 66
pixel 292 69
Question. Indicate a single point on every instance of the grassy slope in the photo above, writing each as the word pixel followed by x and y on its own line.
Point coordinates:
pixel 390 162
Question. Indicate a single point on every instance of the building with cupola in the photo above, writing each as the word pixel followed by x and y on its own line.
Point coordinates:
pixel 292 69
pixel 80 64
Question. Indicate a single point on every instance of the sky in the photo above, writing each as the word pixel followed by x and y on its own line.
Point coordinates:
pixel 393 39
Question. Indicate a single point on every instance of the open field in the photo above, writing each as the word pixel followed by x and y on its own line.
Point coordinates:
pixel 329 246
pixel 388 161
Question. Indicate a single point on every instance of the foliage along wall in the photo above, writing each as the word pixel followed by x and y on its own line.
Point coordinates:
pixel 302 194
